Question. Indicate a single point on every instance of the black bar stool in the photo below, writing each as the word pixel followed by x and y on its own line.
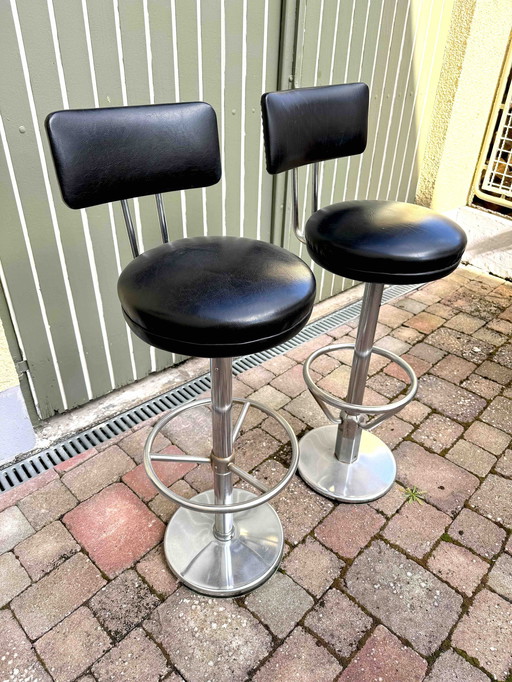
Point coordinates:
pixel 215 297
pixel 376 242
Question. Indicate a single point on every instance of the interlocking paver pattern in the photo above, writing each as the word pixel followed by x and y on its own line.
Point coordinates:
pixel 384 592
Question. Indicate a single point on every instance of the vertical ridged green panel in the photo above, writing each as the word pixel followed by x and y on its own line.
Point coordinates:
pixel 112 53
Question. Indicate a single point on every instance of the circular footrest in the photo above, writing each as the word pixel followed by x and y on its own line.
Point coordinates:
pixel 267 495
pixel 381 412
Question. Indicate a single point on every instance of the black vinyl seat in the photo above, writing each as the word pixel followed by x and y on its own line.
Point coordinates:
pixel 384 241
pixel 213 297
pixel 216 296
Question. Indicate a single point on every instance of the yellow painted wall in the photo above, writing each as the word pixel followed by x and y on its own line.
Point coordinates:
pixel 8 376
pixel 478 38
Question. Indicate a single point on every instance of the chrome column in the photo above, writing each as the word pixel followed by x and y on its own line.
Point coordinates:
pixel 349 432
pixel 222 454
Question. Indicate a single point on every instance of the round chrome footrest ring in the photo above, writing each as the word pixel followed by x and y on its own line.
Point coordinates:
pixel 349 408
pixel 208 507
pixel 224 568
pixel 369 477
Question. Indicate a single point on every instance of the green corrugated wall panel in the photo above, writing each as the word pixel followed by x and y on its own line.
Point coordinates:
pixel 115 52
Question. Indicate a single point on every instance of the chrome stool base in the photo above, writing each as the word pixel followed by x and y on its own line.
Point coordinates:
pixel 367 478
pixel 224 568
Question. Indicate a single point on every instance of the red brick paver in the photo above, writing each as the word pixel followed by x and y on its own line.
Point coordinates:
pixel 349 528
pixel 115 528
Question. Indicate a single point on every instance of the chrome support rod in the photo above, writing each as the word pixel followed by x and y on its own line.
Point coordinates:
pixel 221 379
pixel 314 196
pixel 161 217
pixel 130 228
pixel 295 209
pixel 349 432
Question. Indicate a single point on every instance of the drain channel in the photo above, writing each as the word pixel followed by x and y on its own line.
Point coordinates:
pixel 36 464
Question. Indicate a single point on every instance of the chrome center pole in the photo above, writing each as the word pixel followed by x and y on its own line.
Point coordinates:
pixel 349 432
pixel 221 370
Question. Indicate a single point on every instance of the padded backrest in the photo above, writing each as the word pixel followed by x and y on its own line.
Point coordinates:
pixel 103 155
pixel 308 125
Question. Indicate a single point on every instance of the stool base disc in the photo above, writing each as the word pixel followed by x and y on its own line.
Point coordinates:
pixel 366 479
pixel 224 568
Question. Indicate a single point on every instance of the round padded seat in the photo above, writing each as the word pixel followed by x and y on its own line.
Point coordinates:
pixel 216 297
pixel 384 241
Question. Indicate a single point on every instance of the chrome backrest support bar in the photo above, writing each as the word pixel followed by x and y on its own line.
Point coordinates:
pixel 129 227
pixel 299 233
pixel 161 218
pixel 295 209
pixel 315 188
pixel 131 230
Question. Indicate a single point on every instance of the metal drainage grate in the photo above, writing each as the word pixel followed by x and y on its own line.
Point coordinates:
pixel 36 464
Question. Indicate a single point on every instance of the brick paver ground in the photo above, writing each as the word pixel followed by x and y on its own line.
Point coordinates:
pixel 390 591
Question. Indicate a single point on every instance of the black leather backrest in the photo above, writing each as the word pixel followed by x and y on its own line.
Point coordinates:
pixel 103 155
pixel 308 125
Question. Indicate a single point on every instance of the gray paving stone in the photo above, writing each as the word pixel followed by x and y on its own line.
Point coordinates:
pixel 18 660
pixel 14 578
pixel 471 457
pixel 500 577
pixel 136 659
pixel 384 657
pixel 504 465
pixel 437 433
pixel 499 414
pixel 47 504
pixel 56 595
pixel 349 528
pixel 450 667
pixel 416 528
pixel 450 400
pixel 477 533
pixel 97 473
pixel 134 443
pixel 73 645
pixel 46 550
pixel 280 603
pixel 302 658
pixel 299 508
pixel 485 633
pixel 446 485
pixel 487 437
pixel 457 566
pixel 199 633
pixel 123 603
pixel 312 566
pixel 338 622
pixel 404 596
pixel 461 344
pixel 14 528
pixel 493 499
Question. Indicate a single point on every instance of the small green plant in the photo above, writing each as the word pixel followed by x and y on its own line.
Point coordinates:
pixel 414 495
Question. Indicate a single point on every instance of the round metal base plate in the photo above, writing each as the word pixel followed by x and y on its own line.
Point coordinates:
pixel 218 568
pixel 366 479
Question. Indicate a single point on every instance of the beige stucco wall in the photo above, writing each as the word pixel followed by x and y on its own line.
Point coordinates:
pixel 8 376
pixel 472 62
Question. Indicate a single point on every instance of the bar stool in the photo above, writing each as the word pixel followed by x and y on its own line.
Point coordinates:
pixel 376 242
pixel 215 297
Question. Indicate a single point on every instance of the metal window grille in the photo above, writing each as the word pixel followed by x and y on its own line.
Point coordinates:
pixel 494 173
